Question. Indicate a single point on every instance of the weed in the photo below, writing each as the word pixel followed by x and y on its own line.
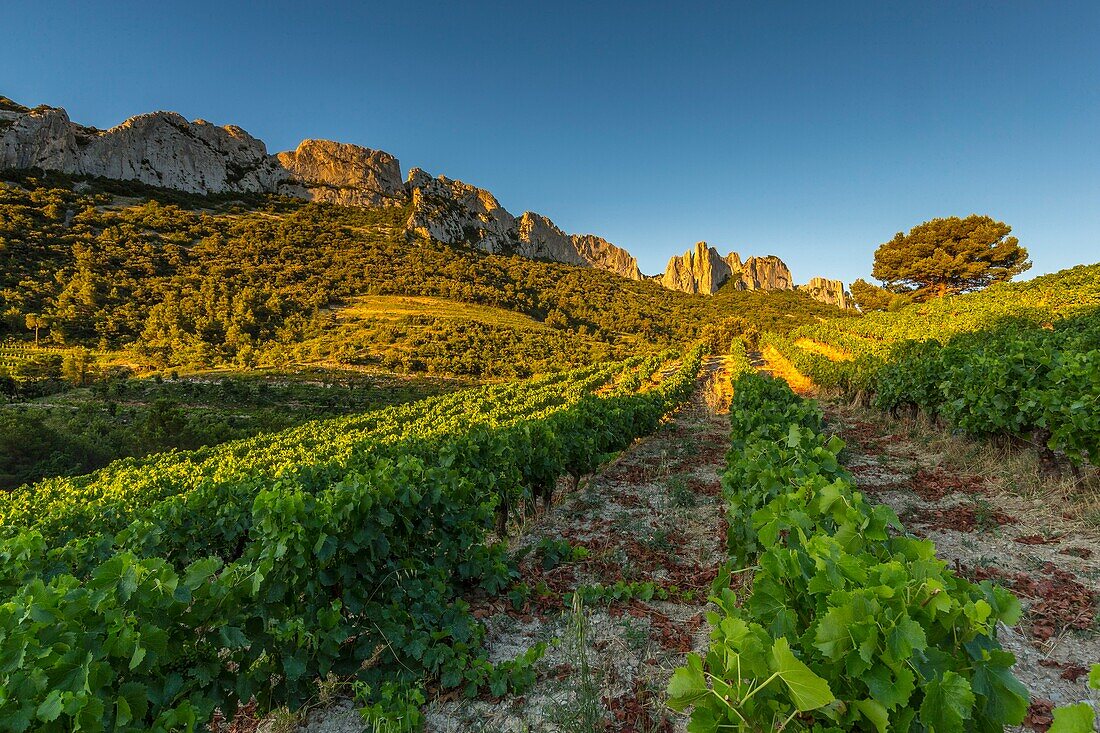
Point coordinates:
pixel 396 710
pixel 985 515
pixel 679 494
pixel 557 552
pixel 584 714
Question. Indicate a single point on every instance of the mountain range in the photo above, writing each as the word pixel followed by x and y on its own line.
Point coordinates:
pixel 165 149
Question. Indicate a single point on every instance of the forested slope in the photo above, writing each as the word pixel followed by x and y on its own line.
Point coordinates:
pixel 199 281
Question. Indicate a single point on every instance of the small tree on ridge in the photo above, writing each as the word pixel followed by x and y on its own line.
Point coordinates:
pixel 949 256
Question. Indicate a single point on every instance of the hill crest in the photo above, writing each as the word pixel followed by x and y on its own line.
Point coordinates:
pixel 164 149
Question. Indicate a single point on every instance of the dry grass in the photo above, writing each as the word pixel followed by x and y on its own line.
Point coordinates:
pixel 831 353
pixel 1059 499
pixel 400 307
pixel 718 385
pixel 781 368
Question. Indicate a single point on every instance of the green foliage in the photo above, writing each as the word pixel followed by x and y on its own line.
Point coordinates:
pixel 850 624
pixel 1018 380
pixel 1039 301
pixel 950 255
pixel 77 431
pixel 393 709
pixel 556 552
pixel 847 375
pixel 618 592
pixel 873 298
pixel 1020 360
pixel 193 281
pixel 230 581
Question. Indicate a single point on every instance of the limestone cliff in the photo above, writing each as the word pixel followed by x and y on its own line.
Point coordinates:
pixel 827 291
pixel 700 270
pixel 603 255
pixel 160 149
pixel 454 212
pixel 539 238
pixel 766 273
pixel 164 149
pixel 338 173
pixel 703 270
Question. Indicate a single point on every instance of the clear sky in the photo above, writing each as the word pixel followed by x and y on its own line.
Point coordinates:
pixel 813 131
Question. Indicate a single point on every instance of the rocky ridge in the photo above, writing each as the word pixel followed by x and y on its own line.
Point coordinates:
pixel 827 291
pixel 339 173
pixel 700 270
pixel 164 149
pixel 454 212
pixel 703 271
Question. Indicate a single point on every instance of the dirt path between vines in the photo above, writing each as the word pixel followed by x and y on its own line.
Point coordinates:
pixel 652 516
pixel 993 515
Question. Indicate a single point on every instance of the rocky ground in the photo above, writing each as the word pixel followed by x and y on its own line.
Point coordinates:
pixel 993 514
pixel 651 518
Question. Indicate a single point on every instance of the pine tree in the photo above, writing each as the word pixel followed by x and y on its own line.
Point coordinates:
pixel 948 256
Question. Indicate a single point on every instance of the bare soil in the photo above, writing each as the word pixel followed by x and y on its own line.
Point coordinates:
pixel 994 515
pixel 653 515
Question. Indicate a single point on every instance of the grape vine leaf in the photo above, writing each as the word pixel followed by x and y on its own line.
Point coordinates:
pixel 875 713
pixel 688 684
pixel 948 701
pixel 1079 718
pixel 808 691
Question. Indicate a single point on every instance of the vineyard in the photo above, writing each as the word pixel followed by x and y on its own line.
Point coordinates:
pixel 146 595
pixel 849 622
pixel 581 521
pixel 1017 361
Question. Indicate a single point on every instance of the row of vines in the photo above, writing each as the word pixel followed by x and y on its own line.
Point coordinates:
pixel 157 591
pixel 848 623
pixel 1028 371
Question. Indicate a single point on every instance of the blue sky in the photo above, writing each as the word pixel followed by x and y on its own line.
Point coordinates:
pixel 813 131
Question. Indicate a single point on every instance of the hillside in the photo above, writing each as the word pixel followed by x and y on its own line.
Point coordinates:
pixel 181 280
pixel 847 353
pixel 163 149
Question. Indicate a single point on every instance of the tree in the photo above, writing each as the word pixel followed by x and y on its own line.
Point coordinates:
pixel 871 297
pixel 950 255
pixel 36 322
pixel 557 319
pixel 8 387
pixel 79 366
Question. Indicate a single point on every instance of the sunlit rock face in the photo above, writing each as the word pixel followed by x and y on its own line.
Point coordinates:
pixel 164 149
pixel 339 173
pixel 766 273
pixel 699 270
pixel 540 238
pixel 159 149
pixel 603 255
pixel 702 270
pixel 454 212
pixel 827 291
